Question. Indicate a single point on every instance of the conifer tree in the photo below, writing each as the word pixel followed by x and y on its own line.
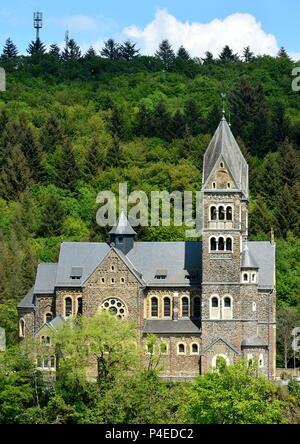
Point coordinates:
pixel 117 126
pixel 54 50
pixel 282 54
pixel 183 54
pixel 53 216
pixel 289 164
pixel 36 48
pixel 114 154
pixel 178 125
pixel 193 117
pixel 227 55
pixel 52 134
pixel 90 53
pixel 166 54
pixel 250 115
pixel 248 55
pixel 67 170
pixel 161 122
pixel 209 57
pixel 143 121
pixel 14 174
pixel 71 51
pixel 93 161
pixel 111 50
pixel 10 50
pixel 288 210
pixel 128 50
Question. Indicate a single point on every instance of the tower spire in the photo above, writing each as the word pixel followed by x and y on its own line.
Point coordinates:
pixel 223 95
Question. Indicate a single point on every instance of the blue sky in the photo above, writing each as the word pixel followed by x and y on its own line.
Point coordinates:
pixel 200 25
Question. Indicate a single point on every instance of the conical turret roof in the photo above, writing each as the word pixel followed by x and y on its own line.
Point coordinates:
pixel 223 144
pixel 123 226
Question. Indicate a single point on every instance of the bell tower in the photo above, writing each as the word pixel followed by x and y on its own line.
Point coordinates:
pixel 225 227
pixel 225 199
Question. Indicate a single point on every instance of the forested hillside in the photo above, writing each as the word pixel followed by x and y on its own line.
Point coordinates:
pixel 72 125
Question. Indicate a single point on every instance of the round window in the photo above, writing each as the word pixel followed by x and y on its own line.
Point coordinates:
pixel 115 307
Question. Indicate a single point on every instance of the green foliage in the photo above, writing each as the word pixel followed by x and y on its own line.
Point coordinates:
pixel 233 395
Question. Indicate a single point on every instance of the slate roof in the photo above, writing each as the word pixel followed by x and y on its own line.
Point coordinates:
pixel 179 258
pixel 184 326
pixel 253 341
pixel 86 255
pixel 28 300
pixel 247 259
pixel 122 227
pixel 223 144
pixel 180 261
pixel 45 279
pixel 264 254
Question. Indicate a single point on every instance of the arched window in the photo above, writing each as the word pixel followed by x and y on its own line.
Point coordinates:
pixel 185 307
pixel 214 308
pixel 213 244
pixel 227 308
pixel 253 278
pixel 163 347
pixel 213 213
pixel 52 362
pixel 245 277
pixel 167 307
pixel 253 306
pixel 216 358
pixel 194 349
pixel 221 213
pixel 197 307
pixel 154 307
pixel 250 360
pixel 22 328
pixel 221 244
pixel 215 302
pixel 228 185
pixel 68 307
pixel 79 306
pixel 227 302
pixel 214 185
pixel 229 213
pixel 181 348
pixel 228 244
pixel 221 165
pixel 261 360
pixel 48 317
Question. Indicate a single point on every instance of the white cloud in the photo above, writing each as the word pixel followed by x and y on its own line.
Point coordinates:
pixel 237 30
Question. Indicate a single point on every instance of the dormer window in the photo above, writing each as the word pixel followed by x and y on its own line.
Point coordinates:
pixel 76 273
pixel 121 239
pixel 161 274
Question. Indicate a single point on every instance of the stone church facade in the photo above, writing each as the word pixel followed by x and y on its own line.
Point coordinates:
pixel 201 299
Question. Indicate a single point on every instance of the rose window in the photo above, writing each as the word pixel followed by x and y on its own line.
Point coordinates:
pixel 115 307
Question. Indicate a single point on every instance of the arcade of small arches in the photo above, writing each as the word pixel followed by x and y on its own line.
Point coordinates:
pixel 220 243
pixel 221 307
pixel 187 308
pixel 221 213
pixel 181 347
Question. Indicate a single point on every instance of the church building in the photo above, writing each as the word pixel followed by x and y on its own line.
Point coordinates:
pixel 202 299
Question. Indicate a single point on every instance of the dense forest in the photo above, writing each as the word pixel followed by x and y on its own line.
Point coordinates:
pixel 74 124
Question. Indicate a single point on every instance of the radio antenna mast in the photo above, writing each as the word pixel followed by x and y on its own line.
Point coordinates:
pixel 38 23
